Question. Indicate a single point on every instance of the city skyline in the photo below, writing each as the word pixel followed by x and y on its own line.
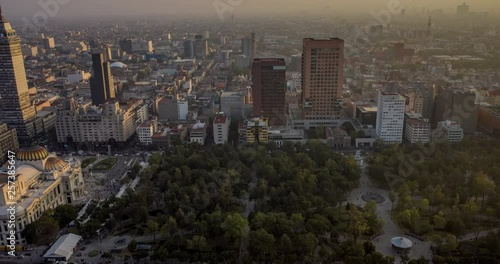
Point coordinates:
pixel 113 8
pixel 309 136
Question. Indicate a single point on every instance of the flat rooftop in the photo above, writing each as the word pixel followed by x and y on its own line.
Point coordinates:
pixel 368 108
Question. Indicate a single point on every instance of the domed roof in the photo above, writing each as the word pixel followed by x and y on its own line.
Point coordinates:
pixel 117 65
pixel 32 153
pixel 401 242
pixel 54 163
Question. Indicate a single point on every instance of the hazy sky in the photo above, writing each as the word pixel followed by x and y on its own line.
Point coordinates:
pixel 82 8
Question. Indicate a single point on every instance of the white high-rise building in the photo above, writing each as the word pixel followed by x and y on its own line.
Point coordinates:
pixel 145 132
pixel 417 130
pixel 221 128
pixel 182 109
pixel 390 117
pixel 449 131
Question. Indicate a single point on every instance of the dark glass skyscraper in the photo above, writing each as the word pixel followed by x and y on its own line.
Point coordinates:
pixel 15 105
pixel 188 49
pixel 102 87
pixel 269 90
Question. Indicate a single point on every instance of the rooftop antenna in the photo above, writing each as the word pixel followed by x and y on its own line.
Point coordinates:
pixel 429 26
pixel 1 15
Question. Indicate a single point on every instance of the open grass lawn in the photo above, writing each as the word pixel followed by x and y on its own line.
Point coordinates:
pixel 93 253
pixel 105 165
pixel 87 162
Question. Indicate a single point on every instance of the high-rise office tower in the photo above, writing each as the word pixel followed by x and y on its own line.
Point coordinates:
pixel 102 87
pixel 248 46
pixel 15 105
pixel 458 106
pixel 390 117
pixel 463 9
pixel 49 43
pixel 254 45
pixel 200 46
pixel 269 90
pixel 322 78
pixel 108 56
pixel 126 45
pixel 188 48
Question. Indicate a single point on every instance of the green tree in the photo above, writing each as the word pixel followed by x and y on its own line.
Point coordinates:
pixel 132 246
pixel 392 197
pixel 286 245
pixel 481 186
pixel 261 245
pixel 233 227
pixel 90 228
pixel 153 227
pixel 64 214
pixel 371 216
pixel 424 205
pixel 198 243
pixel 357 223
pixel 43 231
pixel 318 224
pixel 439 220
pixel 305 244
pixel 169 228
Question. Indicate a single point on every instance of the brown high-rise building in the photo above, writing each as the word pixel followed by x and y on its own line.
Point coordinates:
pixel 322 78
pixel 268 90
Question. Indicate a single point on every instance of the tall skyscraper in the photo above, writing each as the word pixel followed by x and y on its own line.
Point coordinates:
pixel 246 47
pixel 268 90
pixel 249 46
pixel 15 106
pixel 49 43
pixel 254 45
pixel 200 46
pixel 390 117
pixel 102 87
pixel 322 78
pixel 458 106
pixel 126 45
pixel 188 48
pixel 463 9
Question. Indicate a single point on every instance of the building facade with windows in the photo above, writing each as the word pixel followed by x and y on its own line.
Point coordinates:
pixel 221 128
pixel 269 89
pixel 417 131
pixel 43 182
pixel 110 122
pixel 8 141
pixel 257 130
pixel 390 117
pixel 16 109
pixel 322 78
pixel 448 131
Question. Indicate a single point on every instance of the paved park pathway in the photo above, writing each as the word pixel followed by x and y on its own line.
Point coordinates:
pixel 383 242
pixel 249 208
